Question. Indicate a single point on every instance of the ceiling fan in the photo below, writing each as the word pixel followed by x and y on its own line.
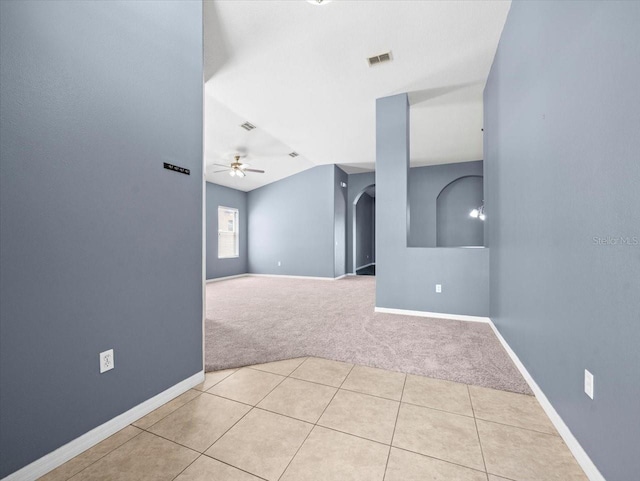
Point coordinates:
pixel 237 168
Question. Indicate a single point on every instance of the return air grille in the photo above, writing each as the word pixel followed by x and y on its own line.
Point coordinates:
pixel 376 59
pixel 248 126
pixel 294 154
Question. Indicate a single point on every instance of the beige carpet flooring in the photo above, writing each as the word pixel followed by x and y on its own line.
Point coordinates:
pixel 252 320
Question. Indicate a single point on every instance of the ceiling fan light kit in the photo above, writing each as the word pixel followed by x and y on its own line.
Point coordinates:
pixel 237 168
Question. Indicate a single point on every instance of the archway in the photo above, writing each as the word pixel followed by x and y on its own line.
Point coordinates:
pixel 363 258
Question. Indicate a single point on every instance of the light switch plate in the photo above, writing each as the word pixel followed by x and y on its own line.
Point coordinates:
pixel 588 383
pixel 439 288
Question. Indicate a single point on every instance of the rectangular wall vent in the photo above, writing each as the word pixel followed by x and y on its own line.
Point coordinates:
pixel 294 154
pixel 248 126
pixel 376 59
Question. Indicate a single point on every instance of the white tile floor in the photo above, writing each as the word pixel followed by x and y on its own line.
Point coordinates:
pixel 315 419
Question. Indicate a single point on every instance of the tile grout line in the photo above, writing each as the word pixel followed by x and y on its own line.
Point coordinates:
pixel 101 457
pixel 389 399
pixel 187 466
pixel 441 460
pixel 475 422
pixel 284 377
pixel 316 423
pixel 520 427
pixel 253 406
pixel 352 435
pixel 386 466
pixel 199 393
pixel 235 370
pixel 234 467
pixel 172 441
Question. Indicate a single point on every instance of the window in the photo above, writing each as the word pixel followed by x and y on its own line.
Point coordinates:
pixel 227 233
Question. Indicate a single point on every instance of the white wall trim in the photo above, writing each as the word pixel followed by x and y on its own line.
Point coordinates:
pixel 438 315
pixel 366 265
pixel 572 443
pixel 218 279
pixel 296 277
pixel 64 453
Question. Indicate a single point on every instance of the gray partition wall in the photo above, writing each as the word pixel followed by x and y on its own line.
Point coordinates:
pixel 221 196
pixel 340 221
pixel 562 144
pixel 100 246
pixel 406 276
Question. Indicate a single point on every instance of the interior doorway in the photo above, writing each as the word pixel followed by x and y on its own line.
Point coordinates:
pixel 364 232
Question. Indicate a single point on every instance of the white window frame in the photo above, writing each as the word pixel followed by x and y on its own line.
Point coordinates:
pixel 237 231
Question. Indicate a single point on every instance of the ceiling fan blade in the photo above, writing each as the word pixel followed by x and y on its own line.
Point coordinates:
pixel 254 170
pixel 221 165
pixel 217 171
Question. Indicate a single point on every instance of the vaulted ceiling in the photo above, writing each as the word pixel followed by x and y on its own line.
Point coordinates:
pixel 299 73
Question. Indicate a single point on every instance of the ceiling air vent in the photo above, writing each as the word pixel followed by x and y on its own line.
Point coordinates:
pixel 376 59
pixel 294 154
pixel 248 126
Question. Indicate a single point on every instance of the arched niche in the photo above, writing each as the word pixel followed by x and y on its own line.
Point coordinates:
pixel 454 226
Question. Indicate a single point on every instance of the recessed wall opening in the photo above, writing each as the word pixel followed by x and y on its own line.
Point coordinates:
pixel 441 199
pixel 455 226
pixel 364 231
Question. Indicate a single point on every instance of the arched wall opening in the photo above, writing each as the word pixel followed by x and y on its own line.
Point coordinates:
pixel 364 228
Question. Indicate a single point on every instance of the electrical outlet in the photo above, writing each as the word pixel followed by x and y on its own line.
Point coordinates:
pixel 588 383
pixel 439 288
pixel 279 263
pixel 106 361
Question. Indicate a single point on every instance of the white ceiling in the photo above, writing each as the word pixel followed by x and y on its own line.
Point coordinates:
pixel 299 73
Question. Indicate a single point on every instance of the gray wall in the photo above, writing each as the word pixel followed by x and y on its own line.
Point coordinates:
pixel 406 276
pixel 100 246
pixel 355 185
pixel 340 221
pixel 293 221
pixel 218 195
pixel 562 114
pixel 425 184
pixel 454 226
pixel 365 230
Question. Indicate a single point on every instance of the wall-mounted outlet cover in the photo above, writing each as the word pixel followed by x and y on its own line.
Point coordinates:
pixel 279 263
pixel 588 383
pixel 106 361
pixel 438 288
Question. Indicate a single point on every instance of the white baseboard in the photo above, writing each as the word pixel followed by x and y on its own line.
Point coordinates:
pixel 296 277
pixel 64 453
pixel 572 443
pixel 217 279
pixel 278 275
pixel 366 265
pixel 438 315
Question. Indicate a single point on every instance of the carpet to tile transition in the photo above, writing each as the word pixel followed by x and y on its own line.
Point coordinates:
pixel 252 320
